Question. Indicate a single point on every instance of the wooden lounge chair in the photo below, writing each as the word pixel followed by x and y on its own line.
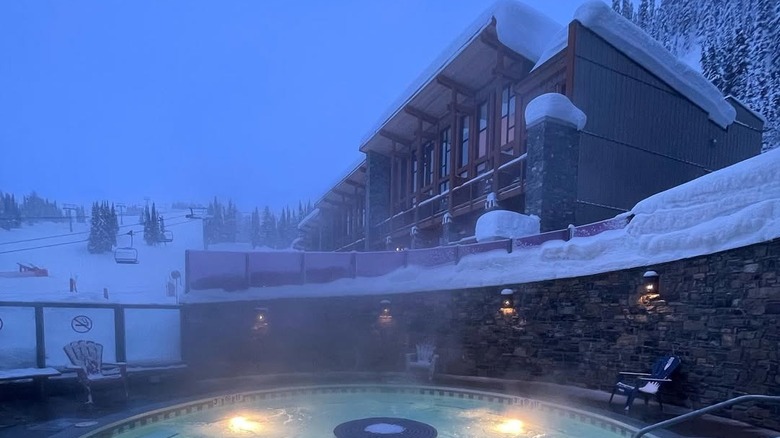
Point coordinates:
pixel 630 383
pixel 424 358
pixel 86 359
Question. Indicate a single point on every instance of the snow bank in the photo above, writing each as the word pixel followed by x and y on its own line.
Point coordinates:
pixel 518 26
pixel 504 224
pixel 642 48
pixel 556 106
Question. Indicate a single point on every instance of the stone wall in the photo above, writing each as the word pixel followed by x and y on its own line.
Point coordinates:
pixel 719 313
pixel 551 183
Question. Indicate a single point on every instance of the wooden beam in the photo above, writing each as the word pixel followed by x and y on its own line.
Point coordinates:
pixel 452 84
pixel 395 137
pixel 504 72
pixel 420 114
pixel 354 184
pixel 492 41
pixel 425 135
pixel 344 194
pixel 461 108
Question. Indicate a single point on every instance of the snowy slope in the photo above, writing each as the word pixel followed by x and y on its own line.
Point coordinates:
pixel 141 283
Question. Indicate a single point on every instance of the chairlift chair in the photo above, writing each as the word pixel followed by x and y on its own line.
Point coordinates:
pixel 126 256
pixel 166 237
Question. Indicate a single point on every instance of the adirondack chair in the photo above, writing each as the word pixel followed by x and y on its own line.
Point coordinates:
pixel 424 358
pixel 86 359
pixel 630 384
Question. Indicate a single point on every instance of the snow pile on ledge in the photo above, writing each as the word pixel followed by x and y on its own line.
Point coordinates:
pixel 649 53
pixel 556 106
pixel 504 224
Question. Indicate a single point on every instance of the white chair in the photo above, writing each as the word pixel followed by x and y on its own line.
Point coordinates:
pixel 424 358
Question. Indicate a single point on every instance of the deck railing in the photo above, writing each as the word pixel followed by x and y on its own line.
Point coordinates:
pixel 241 270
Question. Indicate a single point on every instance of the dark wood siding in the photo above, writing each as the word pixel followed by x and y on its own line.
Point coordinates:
pixel 641 136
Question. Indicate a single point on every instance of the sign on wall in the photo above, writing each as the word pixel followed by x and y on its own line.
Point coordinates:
pixel 63 325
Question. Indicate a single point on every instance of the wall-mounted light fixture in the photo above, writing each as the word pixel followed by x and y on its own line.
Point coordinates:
pixel 261 318
pixel 507 302
pixel 650 287
pixel 385 313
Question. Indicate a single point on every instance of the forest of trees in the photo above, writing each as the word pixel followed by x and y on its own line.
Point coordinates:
pixel 30 210
pixel 736 42
pixel 261 228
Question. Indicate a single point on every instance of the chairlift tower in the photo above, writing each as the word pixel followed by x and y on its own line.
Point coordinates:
pixel 69 208
pixel 121 208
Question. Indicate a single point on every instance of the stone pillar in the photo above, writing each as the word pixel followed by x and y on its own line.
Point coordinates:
pixel 551 182
pixel 378 168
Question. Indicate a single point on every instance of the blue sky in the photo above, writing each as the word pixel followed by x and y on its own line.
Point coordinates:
pixel 261 101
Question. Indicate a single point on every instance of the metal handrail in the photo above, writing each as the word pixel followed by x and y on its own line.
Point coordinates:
pixel 708 409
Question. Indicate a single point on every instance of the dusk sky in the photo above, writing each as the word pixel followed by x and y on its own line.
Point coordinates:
pixel 265 102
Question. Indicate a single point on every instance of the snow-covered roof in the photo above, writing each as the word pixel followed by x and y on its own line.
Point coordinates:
pixel 556 106
pixel 314 214
pixel 518 26
pixel 645 50
pixel 747 108
pixel 558 42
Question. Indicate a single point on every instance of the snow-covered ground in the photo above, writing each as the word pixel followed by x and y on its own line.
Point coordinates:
pixel 730 208
pixel 143 283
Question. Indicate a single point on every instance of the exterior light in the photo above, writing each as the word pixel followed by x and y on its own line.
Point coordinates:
pixel 261 318
pixel 650 288
pixel 385 311
pixel 507 302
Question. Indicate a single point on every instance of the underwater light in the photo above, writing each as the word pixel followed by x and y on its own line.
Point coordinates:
pixel 510 426
pixel 241 424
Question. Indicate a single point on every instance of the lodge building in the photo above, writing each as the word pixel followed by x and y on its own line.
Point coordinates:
pixel 460 140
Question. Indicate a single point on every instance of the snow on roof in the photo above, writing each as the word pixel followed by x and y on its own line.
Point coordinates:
pixel 556 106
pixel 747 108
pixel 518 26
pixel 642 48
pixel 558 42
pixel 309 217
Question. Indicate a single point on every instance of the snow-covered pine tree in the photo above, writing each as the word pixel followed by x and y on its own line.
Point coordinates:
pixel 627 9
pixel 643 17
pixel 616 6
pixel 268 228
pixel 255 229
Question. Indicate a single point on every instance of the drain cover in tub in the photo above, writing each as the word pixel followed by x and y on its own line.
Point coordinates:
pixel 384 427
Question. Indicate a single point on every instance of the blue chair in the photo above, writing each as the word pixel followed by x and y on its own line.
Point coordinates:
pixel 630 384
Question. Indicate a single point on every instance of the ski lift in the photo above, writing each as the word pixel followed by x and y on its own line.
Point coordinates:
pixel 166 237
pixel 127 255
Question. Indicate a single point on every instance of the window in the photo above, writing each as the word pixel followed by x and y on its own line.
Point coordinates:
pixel 404 168
pixel 507 115
pixel 427 164
pixel 414 171
pixel 445 149
pixel 482 117
pixel 465 121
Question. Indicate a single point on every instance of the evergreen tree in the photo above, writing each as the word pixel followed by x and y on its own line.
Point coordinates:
pixel 255 234
pixel 616 6
pixel 268 229
pixel 627 9
pixel 644 17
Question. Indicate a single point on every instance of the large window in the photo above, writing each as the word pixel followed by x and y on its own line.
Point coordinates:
pixel 507 115
pixel 414 172
pixel 463 161
pixel 427 164
pixel 482 118
pixel 445 149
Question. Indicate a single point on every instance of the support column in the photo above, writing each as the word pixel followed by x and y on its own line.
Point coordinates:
pixel 377 195
pixel 551 183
